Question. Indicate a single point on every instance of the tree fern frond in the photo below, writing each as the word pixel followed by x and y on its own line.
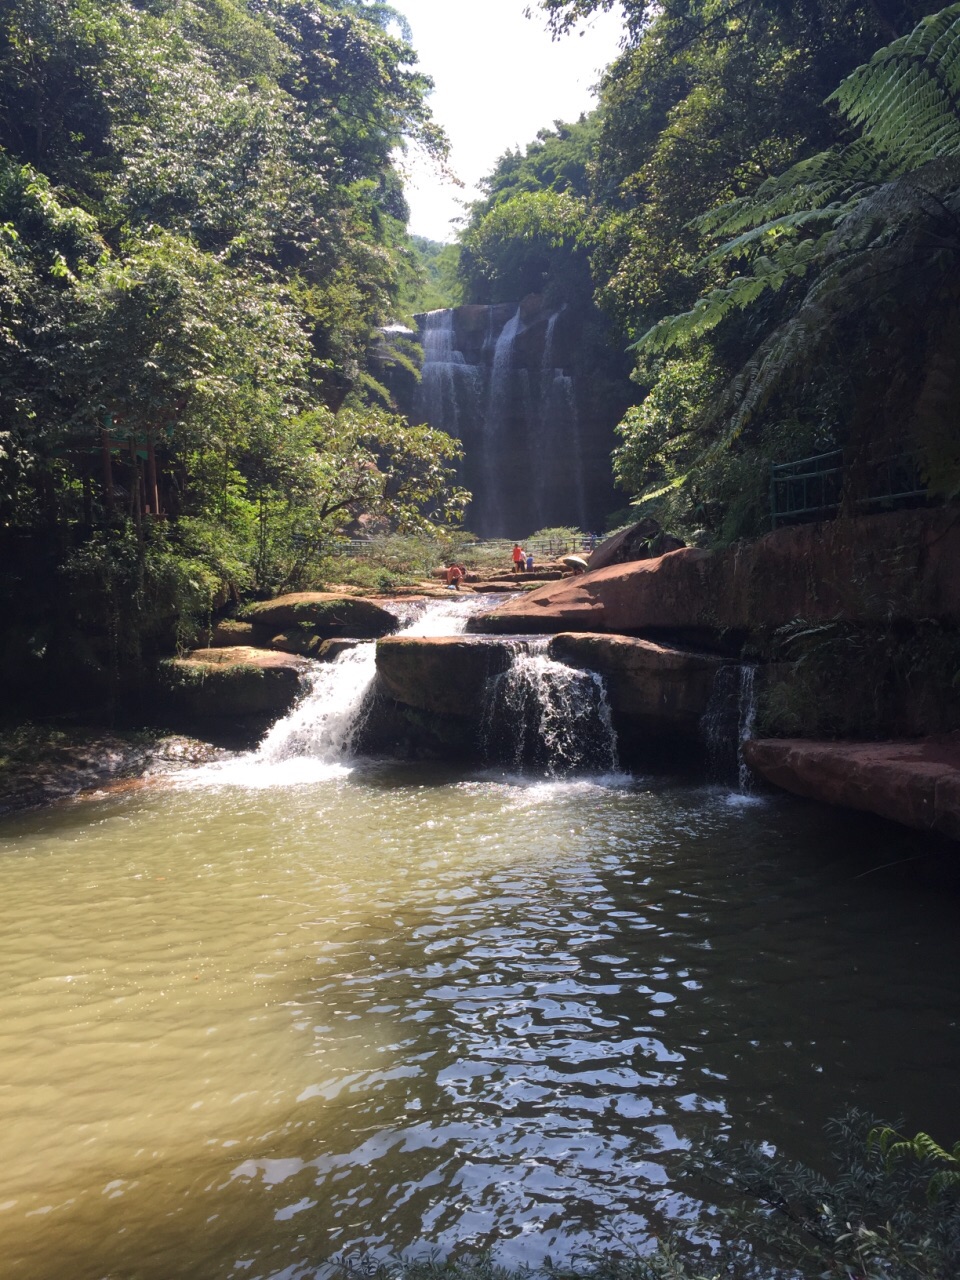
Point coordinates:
pixel 906 99
pixel 800 221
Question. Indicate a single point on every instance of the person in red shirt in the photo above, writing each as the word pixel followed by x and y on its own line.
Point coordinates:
pixel 517 558
pixel 455 576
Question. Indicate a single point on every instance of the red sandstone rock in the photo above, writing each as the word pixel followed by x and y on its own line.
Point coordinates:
pixel 441 674
pixel 641 541
pixel 876 569
pixel 914 782
pixel 661 688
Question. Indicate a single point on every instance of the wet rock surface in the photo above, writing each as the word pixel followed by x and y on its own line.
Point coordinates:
pixel 445 675
pixel 880 569
pixel 39 768
pixel 916 783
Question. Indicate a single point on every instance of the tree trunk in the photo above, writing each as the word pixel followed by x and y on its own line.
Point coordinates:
pixel 153 489
pixel 107 470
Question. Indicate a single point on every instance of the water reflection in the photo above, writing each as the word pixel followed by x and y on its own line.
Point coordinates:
pixel 243 1030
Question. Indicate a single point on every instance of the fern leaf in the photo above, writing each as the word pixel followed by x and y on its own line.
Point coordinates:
pixel 906 99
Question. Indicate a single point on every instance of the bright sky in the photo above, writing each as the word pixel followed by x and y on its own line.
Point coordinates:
pixel 499 78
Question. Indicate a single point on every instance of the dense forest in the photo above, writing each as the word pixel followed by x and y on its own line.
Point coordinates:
pixel 765 203
pixel 201 228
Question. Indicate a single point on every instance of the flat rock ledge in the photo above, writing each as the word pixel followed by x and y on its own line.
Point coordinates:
pixel 233 683
pixel 322 614
pixel 659 689
pixel 913 782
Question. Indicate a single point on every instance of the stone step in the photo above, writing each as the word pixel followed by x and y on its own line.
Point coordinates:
pixel 916 782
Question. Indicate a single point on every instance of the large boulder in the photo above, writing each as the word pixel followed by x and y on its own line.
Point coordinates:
pixel 642 541
pixel 916 783
pixel 232 683
pixel 445 675
pixel 322 614
pixel 656 689
pixel 880 569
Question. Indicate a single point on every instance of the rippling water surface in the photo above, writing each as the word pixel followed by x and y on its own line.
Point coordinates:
pixel 245 1028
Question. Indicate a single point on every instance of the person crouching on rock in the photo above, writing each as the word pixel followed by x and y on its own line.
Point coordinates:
pixel 455 576
pixel 517 558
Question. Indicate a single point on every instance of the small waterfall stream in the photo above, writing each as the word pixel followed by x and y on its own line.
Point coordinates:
pixel 543 713
pixel 325 722
pixel 728 722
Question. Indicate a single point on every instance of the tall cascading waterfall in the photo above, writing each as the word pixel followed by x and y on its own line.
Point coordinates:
pixel 728 723
pixel 544 713
pixel 495 377
pixel 559 426
pixel 502 397
pixel 449 387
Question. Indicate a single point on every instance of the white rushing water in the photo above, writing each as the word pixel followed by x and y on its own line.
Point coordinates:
pixel 316 739
pixel 544 713
pixel 449 387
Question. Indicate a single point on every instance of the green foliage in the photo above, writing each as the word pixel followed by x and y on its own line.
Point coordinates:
pixel 145 595
pixel 858 244
pixel 836 679
pixel 435 284
pixel 201 229
pixel 521 245
pixel 893 1146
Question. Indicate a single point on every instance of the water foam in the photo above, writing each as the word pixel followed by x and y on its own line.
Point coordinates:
pixel 315 741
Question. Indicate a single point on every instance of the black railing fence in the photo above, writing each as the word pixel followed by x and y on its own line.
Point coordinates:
pixel 818 487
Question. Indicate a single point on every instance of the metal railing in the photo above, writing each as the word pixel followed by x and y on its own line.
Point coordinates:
pixel 817 487
pixel 541 548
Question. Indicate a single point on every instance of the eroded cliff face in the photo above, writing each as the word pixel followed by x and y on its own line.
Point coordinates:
pixel 534 392
pixel 898 568
pixel 856 622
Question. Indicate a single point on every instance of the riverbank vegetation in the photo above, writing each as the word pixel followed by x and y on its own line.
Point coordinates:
pixel 885 1209
pixel 765 204
pixel 201 229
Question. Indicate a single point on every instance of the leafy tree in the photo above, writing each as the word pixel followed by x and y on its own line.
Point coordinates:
pixel 201 230
pixel 851 253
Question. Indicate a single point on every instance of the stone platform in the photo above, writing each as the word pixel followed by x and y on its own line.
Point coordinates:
pixel 913 782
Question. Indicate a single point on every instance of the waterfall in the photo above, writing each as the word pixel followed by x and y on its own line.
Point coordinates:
pixel 729 721
pixel 489 503
pixel 557 437
pixel 547 714
pixel 327 718
pixel 494 377
pixel 316 737
pixel 448 385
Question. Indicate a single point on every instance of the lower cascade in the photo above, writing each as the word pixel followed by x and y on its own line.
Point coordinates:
pixel 545 713
pixel 325 722
pixel 728 723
